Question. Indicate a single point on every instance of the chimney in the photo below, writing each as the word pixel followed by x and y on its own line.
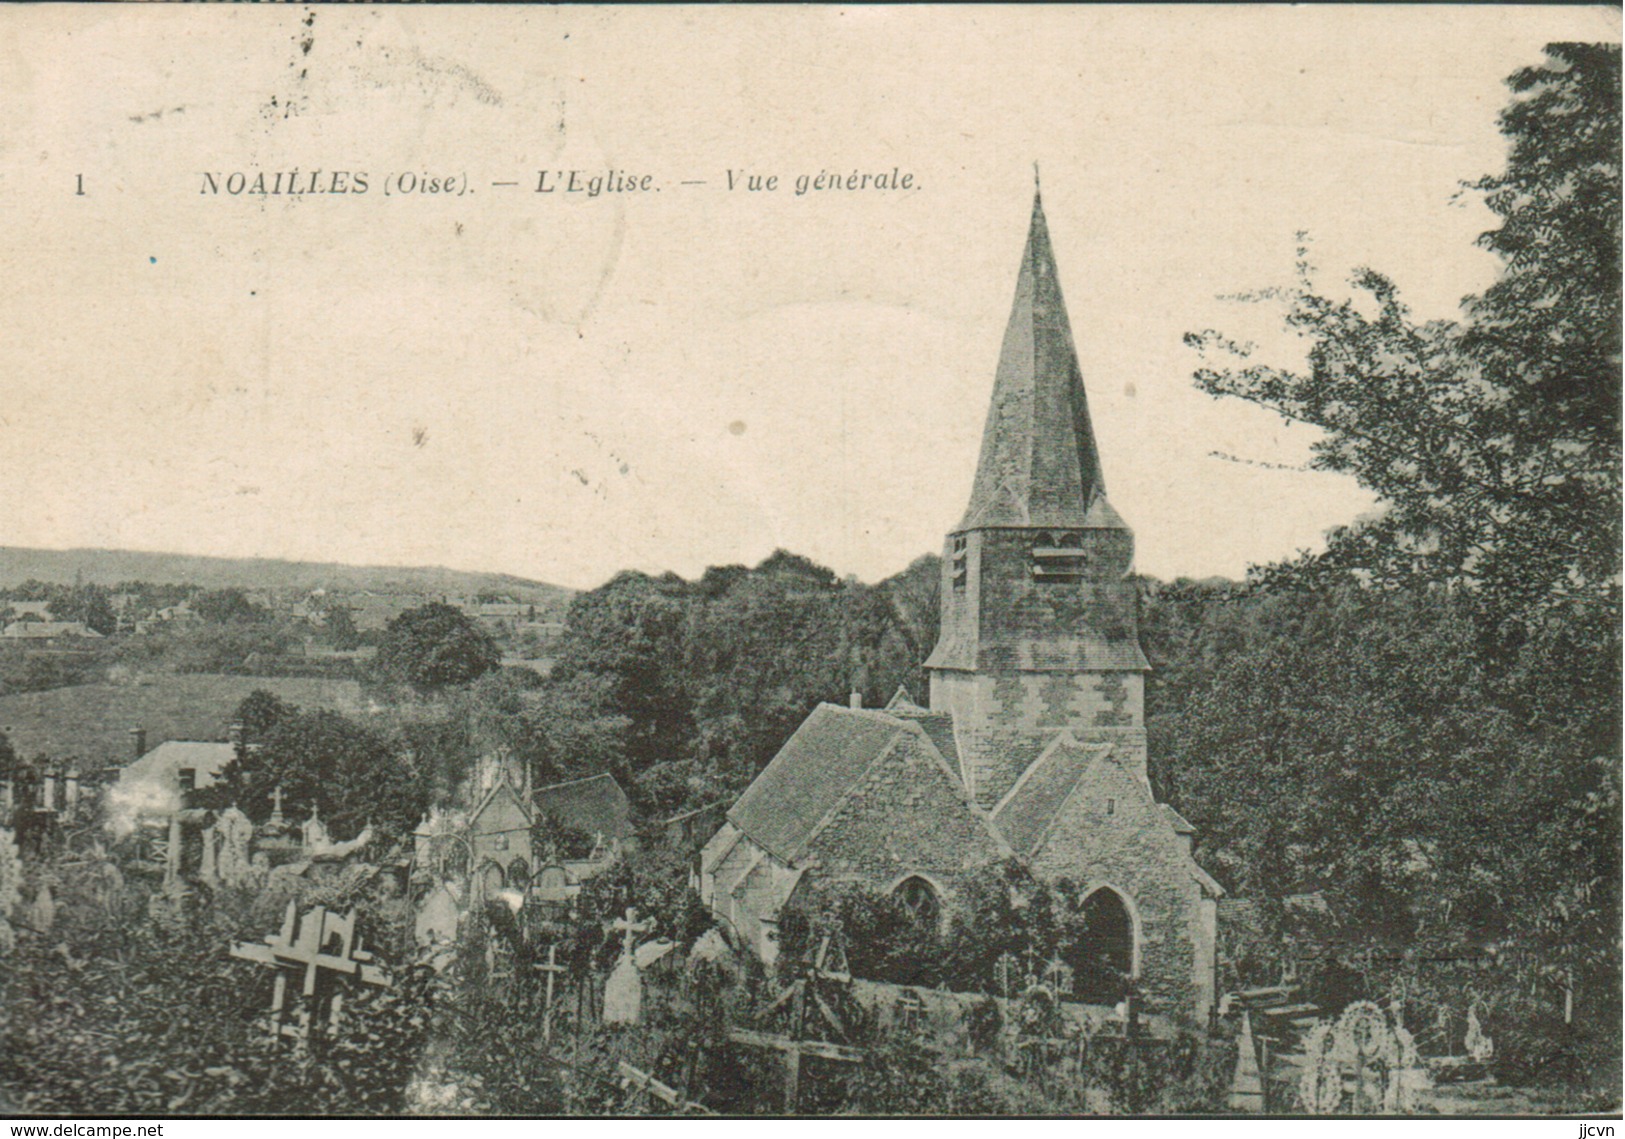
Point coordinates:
pixel 855 700
pixel 70 789
pixel 138 737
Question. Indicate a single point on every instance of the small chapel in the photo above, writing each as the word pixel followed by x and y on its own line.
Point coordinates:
pixel 1033 742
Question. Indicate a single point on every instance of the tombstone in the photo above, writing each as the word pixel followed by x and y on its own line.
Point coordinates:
pixel 1480 1046
pixel 234 864
pixel 623 992
pixel 40 915
pixel 276 824
pixel 552 884
pixel 313 832
pixel 207 870
pixel 437 917
pixel 316 951
pixel 1247 1085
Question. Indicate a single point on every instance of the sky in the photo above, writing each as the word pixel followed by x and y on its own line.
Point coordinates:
pixel 562 386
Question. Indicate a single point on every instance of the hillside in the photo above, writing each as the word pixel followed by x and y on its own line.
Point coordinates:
pixel 109 567
pixel 92 722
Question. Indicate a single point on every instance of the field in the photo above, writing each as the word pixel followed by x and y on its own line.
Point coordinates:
pixel 92 722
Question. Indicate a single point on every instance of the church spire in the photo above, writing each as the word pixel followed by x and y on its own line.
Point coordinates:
pixel 1039 465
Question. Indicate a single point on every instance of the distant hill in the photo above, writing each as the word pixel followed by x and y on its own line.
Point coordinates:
pixel 109 567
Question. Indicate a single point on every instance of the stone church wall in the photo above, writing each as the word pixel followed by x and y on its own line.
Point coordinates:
pixel 1001 720
pixel 1111 833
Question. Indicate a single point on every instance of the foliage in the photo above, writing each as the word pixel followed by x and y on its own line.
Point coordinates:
pixel 23 669
pixel 260 712
pixel 654 878
pixel 326 761
pixel 996 910
pixel 11 872
pixel 1493 441
pixel 118 1013
pixel 1420 726
pixel 227 606
pixel 339 628
pixel 684 690
pixel 434 647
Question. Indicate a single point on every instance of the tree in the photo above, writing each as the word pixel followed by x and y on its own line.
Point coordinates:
pixel 88 604
pixel 260 712
pixel 226 607
pixel 1493 441
pixel 1423 721
pixel 341 628
pixel 324 760
pixel 433 647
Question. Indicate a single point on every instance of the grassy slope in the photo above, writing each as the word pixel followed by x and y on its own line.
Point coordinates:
pixel 92 722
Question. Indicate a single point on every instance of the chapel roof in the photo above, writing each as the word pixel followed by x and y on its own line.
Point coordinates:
pixel 939 726
pixel 596 805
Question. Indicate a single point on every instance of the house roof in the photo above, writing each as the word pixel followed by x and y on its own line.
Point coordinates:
pixel 811 773
pixel 165 760
pixel 596 805
pixel 151 785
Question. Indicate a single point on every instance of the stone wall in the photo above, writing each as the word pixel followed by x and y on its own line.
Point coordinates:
pixel 1112 833
pixel 1003 720
pixel 996 614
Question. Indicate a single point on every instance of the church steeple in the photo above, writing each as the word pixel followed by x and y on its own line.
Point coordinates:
pixel 1039 464
pixel 1037 608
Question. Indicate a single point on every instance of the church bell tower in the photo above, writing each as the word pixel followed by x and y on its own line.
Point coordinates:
pixel 1038 614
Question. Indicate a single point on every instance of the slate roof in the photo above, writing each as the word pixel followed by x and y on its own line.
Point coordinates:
pixel 1181 824
pixel 1039 465
pixel 596 805
pixel 1028 808
pixel 939 726
pixel 811 773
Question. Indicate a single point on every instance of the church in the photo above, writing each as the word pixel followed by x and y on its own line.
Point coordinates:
pixel 1033 746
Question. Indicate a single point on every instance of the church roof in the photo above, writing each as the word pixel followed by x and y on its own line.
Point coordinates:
pixel 939 726
pixel 1025 812
pixel 813 771
pixel 1039 464
pixel 596 805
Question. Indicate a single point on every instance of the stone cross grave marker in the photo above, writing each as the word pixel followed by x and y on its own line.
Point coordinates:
pixel 623 993
pixel 552 969
pixel 318 949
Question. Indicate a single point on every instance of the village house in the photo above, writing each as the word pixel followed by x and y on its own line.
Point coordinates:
pixel 1032 745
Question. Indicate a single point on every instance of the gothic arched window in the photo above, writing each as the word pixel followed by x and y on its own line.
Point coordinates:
pixel 921 899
